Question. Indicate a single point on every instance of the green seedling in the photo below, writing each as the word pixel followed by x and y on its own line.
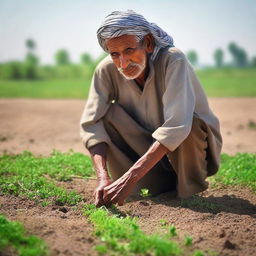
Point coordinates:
pixel 252 125
pixel 144 192
pixel 163 222
pixel 45 203
pixel 188 240
pixel 12 234
pixel 101 249
pixel 198 253
pixel 173 230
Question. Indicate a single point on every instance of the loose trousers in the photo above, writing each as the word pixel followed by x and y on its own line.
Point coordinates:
pixel 184 169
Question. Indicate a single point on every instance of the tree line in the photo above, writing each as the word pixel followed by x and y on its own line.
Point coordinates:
pixel 63 68
pixel 239 57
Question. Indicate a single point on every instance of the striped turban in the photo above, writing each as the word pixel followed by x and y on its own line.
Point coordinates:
pixel 120 23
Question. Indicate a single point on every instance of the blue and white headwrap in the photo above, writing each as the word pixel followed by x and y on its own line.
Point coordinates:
pixel 120 23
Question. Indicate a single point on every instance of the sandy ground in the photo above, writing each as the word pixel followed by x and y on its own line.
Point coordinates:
pixel 43 125
pixel 224 222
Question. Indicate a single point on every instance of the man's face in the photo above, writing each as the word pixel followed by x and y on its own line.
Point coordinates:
pixel 128 55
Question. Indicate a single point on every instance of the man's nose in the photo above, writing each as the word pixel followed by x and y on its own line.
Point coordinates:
pixel 124 61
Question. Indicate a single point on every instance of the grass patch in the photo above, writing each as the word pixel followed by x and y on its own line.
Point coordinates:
pixel 12 234
pixel 45 89
pixel 27 175
pixel 237 170
pixel 123 236
pixel 232 82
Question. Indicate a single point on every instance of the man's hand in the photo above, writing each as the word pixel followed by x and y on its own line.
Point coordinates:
pixel 118 191
pixel 98 193
pixel 99 155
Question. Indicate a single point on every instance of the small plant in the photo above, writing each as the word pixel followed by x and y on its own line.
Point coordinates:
pixel 163 222
pixel 173 230
pixel 45 203
pixel 12 234
pixel 198 253
pixel 188 240
pixel 251 125
pixel 144 192
pixel 101 249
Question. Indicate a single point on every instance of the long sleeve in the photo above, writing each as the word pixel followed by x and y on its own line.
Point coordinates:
pixel 92 129
pixel 178 105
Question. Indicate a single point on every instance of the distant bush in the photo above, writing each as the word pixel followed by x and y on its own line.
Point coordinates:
pixel 11 70
pixel 29 71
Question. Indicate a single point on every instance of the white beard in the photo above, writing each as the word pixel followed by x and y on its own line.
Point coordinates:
pixel 140 67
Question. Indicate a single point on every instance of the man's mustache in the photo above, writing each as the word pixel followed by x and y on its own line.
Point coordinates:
pixel 130 66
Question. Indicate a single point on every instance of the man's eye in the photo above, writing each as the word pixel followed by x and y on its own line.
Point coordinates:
pixel 114 55
pixel 129 50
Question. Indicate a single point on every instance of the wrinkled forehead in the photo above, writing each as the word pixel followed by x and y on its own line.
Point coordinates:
pixel 122 42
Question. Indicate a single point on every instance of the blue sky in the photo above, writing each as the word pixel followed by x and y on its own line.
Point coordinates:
pixel 202 25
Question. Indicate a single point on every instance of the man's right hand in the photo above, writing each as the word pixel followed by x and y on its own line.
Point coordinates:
pixel 98 193
pixel 99 155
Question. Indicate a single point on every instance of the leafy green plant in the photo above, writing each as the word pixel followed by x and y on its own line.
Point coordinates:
pixel 237 170
pixel 34 177
pixel 12 234
pixel 122 235
pixel 198 253
pixel 144 192
pixel 173 231
pixel 163 222
pixel 188 240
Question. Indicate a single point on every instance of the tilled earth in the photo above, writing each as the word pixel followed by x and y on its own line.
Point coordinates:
pixel 220 220
pixel 223 223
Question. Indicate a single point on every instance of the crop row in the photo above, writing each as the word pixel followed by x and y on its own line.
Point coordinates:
pixel 35 178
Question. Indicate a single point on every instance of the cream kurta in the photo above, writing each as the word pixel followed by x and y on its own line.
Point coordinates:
pixel 172 109
pixel 171 96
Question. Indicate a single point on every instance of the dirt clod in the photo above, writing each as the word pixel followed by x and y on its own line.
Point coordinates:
pixel 229 245
pixel 63 209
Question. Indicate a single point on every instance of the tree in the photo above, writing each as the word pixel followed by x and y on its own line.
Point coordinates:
pixel 62 57
pixel 218 57
pixel 29 69
pixel 32 59
pixel 239 55
pixel 31 45
pixel 253 63
pixel 86 58
pixel 192 57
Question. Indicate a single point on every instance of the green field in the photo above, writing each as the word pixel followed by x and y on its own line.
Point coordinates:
pixel 45 89
pixel 32 177
pixel 216 82
pixel 229 82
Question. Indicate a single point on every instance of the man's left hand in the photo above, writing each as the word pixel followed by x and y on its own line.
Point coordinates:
pixel 118 191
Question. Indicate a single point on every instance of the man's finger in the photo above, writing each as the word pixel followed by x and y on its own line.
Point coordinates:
pixel 98 194
pixel 120 202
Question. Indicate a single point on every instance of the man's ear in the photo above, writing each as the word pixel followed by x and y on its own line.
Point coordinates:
pixel 149 43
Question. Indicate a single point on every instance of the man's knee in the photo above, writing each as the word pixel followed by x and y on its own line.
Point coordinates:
pixel 198 132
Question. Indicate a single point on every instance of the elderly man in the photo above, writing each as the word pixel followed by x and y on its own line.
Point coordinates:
pixel 147 122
